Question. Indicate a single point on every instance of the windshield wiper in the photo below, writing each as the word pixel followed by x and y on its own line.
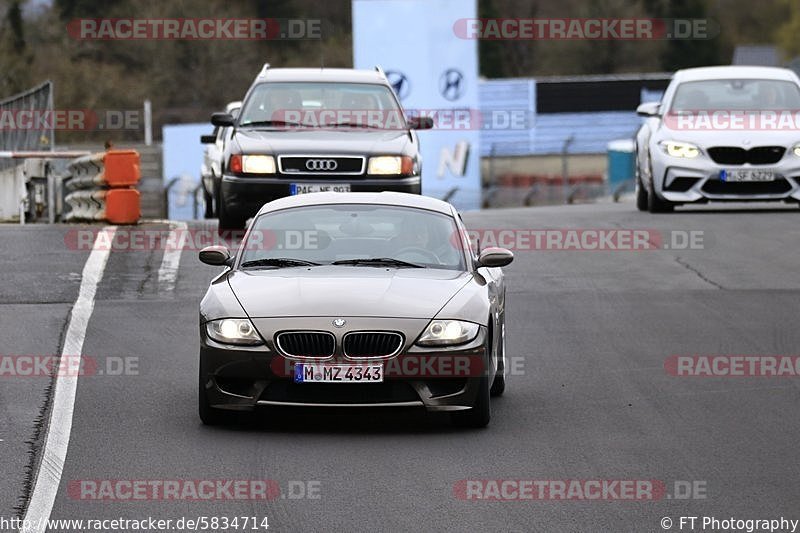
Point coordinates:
pixel 351 125
pixel 277 262
pixel 273 123
pixel 378 261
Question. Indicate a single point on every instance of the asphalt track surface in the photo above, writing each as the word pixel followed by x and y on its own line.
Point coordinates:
pixel 589 397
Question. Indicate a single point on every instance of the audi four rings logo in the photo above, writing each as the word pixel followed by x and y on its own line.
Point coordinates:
pixel 321 164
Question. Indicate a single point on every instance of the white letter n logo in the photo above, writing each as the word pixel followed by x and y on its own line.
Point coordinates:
pixel 456 160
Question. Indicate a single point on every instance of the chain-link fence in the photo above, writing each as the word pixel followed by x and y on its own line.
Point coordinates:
pixel 17 134
pixel 26 125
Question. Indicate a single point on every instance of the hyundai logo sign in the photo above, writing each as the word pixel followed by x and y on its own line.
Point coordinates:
pixel 451 84
pixel 399 83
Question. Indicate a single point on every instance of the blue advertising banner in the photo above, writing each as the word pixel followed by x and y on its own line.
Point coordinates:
pixel 434 72
pixel 183 156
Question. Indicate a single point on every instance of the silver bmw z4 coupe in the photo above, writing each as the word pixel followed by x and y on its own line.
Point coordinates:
pixel 354 300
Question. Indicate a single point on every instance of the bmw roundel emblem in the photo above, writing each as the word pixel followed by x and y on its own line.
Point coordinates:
pixel 339 322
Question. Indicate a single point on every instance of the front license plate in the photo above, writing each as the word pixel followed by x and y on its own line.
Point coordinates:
pixel 747 174
pixel 330 373
pixel 305 188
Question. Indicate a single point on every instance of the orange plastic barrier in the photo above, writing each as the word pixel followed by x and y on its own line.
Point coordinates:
pixel 123 206
pixel 103 187
pixel 121 168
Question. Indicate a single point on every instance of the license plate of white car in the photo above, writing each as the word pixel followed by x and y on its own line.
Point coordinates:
pixel 747 174
pixel 334 373
pixel 305 188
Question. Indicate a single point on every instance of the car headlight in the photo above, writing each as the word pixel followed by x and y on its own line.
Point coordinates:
pixel 258 164
pixel 238 331
pixel 390 165
pixel 796 150
pixel 252 164
pixel 448 332
pixel 679 149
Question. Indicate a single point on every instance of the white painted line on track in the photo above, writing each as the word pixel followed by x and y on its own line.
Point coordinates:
pixel 54 454
pixel 168 272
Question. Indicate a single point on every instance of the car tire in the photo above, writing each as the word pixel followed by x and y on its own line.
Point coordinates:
pixel 656 204
pixel 209 203
pixel 480 413
pixel 499 383
pixel 642 203
pixel 210 416
pixel 228 222
pixel 217 197
pixel 498 386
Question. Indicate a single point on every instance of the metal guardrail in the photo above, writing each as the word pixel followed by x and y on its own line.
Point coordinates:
pixel 574 191
pixel 541 194
pixel 621 188
pixel 29 194
pixel 449 194
pixel 488 196
pixel 532 192
pixel 196 193
pixel 168 187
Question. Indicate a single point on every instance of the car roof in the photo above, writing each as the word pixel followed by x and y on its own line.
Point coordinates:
pixel 735 72
pixel 340 75
pixel 380 198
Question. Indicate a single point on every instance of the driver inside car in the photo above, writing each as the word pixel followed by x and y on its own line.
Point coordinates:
pixel 413 243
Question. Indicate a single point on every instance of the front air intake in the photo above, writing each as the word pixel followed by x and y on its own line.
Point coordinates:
pixel 316 344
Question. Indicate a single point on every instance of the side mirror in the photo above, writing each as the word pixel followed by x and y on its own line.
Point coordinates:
pixel 208 139
pixel 215 255
pixel 420 123
pixel 495 257
pixel 222 119
pixel 649 109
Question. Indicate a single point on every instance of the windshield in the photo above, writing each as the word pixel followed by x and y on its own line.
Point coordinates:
pixel 315 105
pixel 736 95
pixel 354 234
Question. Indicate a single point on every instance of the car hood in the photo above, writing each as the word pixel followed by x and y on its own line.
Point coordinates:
pixel 741 138
pixel 323 141
pixel 346 291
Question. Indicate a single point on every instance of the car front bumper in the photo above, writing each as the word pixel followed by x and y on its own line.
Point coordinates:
pixel 444 379
pixel 697 180
pixel 244 196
